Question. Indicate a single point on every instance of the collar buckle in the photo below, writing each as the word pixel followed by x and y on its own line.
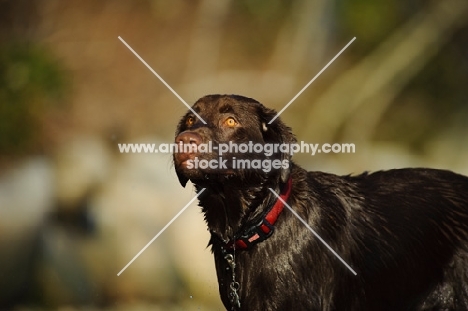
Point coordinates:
pixel 256 234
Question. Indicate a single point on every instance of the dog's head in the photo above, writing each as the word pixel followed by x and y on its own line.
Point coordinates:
pixel 236 143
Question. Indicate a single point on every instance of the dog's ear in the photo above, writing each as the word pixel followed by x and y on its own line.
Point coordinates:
pixel 182 179
pixel 277 133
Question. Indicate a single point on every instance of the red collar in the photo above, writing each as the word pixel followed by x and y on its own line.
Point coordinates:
pixel 264 229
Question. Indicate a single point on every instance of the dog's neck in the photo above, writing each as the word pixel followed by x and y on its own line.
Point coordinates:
pixel 227 207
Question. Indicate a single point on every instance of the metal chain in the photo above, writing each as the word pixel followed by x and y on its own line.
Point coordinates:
pixel 234 286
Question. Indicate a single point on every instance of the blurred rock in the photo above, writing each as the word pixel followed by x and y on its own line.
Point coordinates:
pixel 141 196
pixel 189 239
pixel 62 277
pixel 26 196
pixel 82 164
pixel 128 198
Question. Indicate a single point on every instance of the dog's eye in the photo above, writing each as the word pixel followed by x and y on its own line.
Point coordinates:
pixel 231 122
pixel 190 121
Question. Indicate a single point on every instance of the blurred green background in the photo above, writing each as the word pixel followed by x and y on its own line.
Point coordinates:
pixel 74 212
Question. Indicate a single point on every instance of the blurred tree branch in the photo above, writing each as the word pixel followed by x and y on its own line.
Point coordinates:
pixel 205 42
pixel 366 91
pixel 303 38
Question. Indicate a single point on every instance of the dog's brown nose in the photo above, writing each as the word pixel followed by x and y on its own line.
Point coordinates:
pixel 188 138
pixel 188 143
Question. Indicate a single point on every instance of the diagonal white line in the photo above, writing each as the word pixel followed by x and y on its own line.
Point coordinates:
pixel 161 79
pixel 313 79
pixel 162 230
pixel 312 230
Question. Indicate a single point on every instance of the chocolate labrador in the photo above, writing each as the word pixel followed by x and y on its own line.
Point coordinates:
pixel 397 239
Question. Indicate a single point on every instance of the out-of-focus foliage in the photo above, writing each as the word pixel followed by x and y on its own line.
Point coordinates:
pixel 436 100
pixel 31 82
pixel 370 21
pixel 432 101
pixel 260 21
